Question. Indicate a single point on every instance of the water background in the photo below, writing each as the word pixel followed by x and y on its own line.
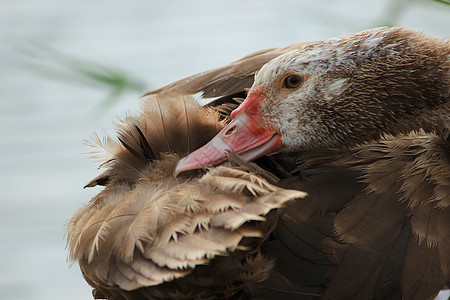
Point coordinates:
pixel 48 105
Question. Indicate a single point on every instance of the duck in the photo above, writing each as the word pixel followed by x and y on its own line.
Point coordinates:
pixel 330 180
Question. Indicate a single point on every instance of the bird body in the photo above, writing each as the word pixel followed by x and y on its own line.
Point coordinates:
pixel 347 198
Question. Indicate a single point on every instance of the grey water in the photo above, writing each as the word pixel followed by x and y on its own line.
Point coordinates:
pixel 52 98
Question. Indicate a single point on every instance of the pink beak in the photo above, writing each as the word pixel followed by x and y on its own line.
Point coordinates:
pixel 242 135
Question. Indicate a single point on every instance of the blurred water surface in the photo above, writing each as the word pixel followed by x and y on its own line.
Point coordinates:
pixel 45 114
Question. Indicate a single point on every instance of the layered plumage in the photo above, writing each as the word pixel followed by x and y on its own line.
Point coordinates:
pixel 368 142
pixel 147 227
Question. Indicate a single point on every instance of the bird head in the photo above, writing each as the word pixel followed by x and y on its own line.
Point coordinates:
pixel 335 93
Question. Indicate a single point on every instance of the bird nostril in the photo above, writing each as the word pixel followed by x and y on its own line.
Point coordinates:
pixel 230 131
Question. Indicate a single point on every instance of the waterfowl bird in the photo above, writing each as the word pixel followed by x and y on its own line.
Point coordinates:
pixel 360 123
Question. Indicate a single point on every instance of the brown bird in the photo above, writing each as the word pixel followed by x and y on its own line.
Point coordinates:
pixel 361 123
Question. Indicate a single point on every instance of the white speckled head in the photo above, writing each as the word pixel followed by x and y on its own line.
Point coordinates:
pixel 339 93
pixel 322 110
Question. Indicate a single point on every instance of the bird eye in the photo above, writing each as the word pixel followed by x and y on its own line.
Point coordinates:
pixel 292 82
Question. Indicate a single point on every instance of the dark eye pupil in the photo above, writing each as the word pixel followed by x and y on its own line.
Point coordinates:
pixel 292 81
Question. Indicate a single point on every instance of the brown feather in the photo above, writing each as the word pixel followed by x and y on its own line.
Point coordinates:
pixel 368 216
pixel 378 266
pixel 175 124
pixel 422 276
pixel 228 80
pixel 373 225
pixel 177 221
